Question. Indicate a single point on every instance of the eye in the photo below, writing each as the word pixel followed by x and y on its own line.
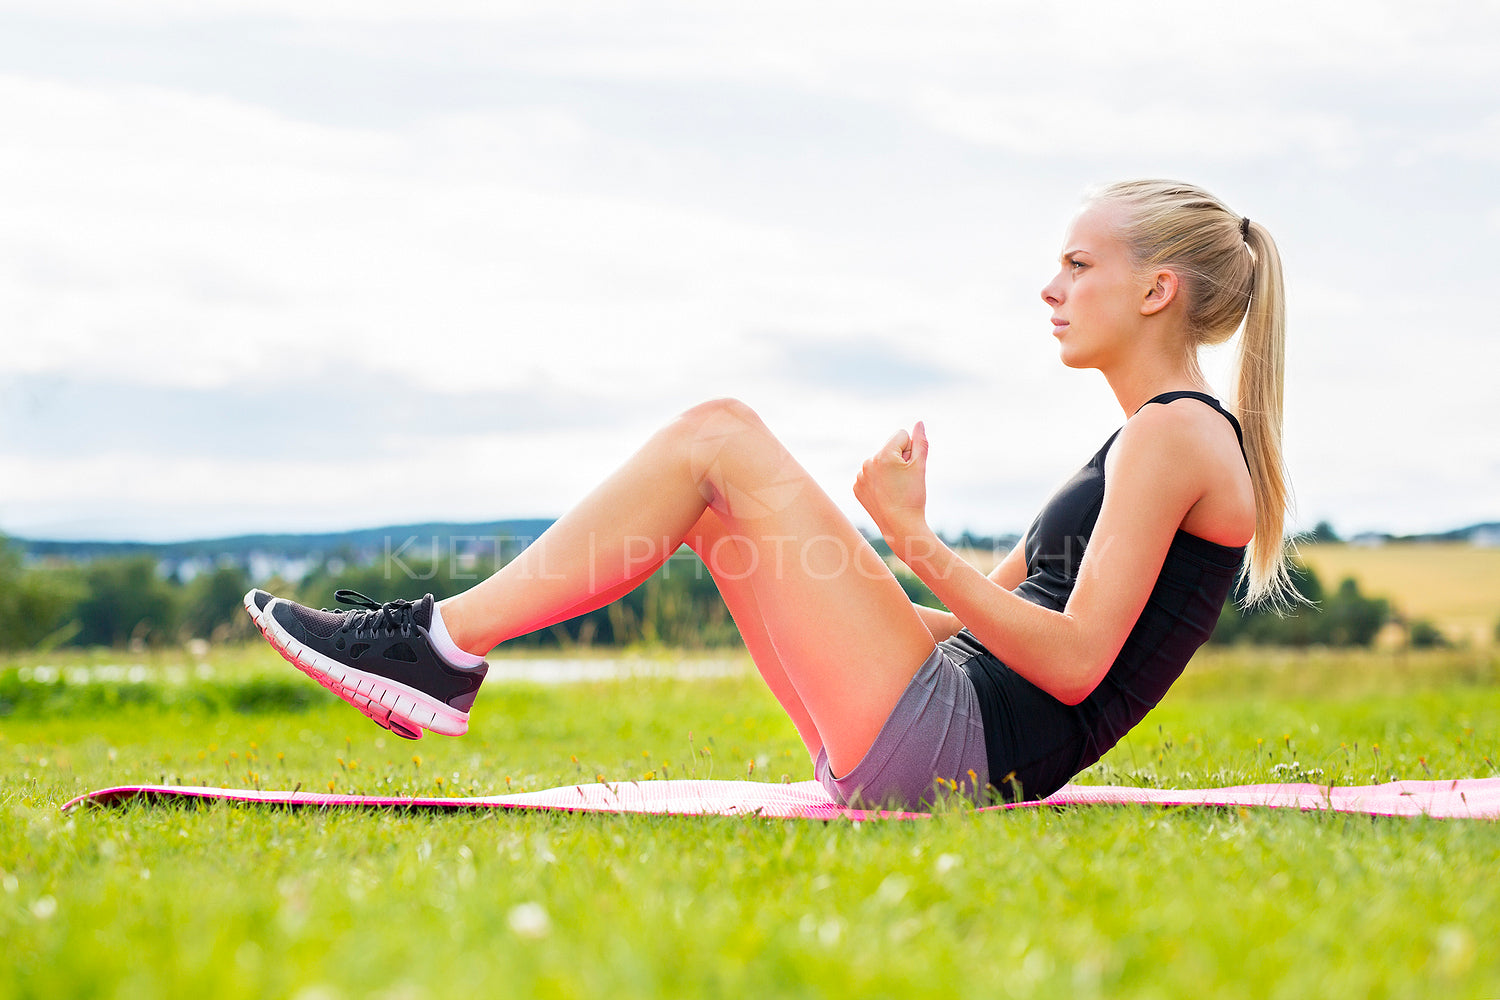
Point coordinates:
pixel 1076 264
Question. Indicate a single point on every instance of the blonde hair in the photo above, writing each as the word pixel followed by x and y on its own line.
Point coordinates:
pixel 1229 271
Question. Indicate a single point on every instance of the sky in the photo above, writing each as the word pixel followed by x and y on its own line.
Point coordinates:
pixel 298 265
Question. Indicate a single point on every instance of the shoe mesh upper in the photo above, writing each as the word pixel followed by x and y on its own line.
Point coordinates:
pixel 320 623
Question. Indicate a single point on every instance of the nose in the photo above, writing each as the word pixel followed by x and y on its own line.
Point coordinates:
pixel 1052 294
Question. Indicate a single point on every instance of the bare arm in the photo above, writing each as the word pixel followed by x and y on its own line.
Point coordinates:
pixel 942 624
pixel 1012 569
pixel 1154 482
pixel 1008 574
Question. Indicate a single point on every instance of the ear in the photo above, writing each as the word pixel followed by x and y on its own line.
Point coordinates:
pixel 1161 293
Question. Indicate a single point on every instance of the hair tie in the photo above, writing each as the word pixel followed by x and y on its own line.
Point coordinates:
pixel 1245 228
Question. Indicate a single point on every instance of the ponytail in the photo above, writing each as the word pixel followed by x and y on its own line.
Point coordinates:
pixel 1258 402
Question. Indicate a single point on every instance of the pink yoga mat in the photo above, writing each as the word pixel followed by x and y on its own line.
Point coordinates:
pixel 1465 798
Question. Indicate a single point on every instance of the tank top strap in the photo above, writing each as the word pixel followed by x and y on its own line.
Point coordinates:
pixel 1168 397
pixel 1204 397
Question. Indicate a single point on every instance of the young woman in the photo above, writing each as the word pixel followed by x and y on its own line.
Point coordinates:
pixel 1039 667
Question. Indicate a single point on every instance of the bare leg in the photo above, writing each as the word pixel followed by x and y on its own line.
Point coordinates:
pixel 731 570
pixel 833 618
pixel 705 539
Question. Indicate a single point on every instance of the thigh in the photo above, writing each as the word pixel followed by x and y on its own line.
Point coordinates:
pixel 730 572
pixel 932 743
pixel 841 626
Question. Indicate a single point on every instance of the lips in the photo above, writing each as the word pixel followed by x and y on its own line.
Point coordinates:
pixel 1058 326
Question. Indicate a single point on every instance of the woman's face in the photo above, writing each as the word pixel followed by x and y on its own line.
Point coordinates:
pixel 1096 296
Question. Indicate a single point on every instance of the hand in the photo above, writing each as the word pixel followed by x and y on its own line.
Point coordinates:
pixel 892 486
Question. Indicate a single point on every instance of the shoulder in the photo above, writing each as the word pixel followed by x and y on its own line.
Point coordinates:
pixel 1185 456
pixel 1184 439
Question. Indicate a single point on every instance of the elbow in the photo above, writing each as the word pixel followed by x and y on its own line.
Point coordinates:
pixel 1073 694
pixel 1091 660
pixel 1078 667
pixel 1075 689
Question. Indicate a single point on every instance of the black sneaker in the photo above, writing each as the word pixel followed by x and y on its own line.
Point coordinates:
pixel 377 658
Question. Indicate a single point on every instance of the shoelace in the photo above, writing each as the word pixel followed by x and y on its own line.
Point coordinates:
pixel 392 616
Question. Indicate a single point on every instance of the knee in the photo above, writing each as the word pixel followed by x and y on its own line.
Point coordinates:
pixel 718 419
pixel 724 438
pixel 726 410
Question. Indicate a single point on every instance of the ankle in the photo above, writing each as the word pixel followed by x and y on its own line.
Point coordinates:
pixel 448 621
pixel 443 642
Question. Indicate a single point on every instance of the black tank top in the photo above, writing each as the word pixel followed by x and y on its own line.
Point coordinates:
pixel 1034 742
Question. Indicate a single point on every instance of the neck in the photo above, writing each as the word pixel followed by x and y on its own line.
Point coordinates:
pixel 1133 386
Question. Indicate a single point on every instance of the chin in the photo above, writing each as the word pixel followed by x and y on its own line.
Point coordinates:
pixel 1073 359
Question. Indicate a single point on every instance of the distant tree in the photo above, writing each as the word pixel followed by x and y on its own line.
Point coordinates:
pixel 678 605
pixel 1343 618
pixel 1423 634
pixel 916 591
pixel 10 582
pixel 214 599
pixel 47 600
pixel 381 580
pixel 36 604
pixel 1351 619
pixel 125 600
pixel 1322 532
pixel 1259 626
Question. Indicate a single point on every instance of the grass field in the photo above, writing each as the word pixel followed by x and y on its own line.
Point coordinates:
pixel 1108 902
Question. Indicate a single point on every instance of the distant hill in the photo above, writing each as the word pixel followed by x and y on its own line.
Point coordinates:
pixel 351 546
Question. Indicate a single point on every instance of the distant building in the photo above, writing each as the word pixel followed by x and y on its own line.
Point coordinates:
pixel 264 565
pixel 1486 535
pixel 1369 539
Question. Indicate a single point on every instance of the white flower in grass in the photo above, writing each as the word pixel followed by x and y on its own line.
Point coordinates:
pixel 830 931
pixel 529 920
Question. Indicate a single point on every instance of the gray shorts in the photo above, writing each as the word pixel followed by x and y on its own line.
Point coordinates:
pixel 934 732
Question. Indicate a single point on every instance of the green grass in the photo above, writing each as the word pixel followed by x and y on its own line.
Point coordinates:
pixel 207 900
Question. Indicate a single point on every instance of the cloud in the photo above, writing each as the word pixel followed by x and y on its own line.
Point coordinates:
pixel 1474 140
pixel 544 227
pixel 1111 125
pixel 177 239
pixel 315 479
pixel 860 364
pixel 60 415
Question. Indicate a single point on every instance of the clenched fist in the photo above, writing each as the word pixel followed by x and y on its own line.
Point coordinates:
pixel 892 486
